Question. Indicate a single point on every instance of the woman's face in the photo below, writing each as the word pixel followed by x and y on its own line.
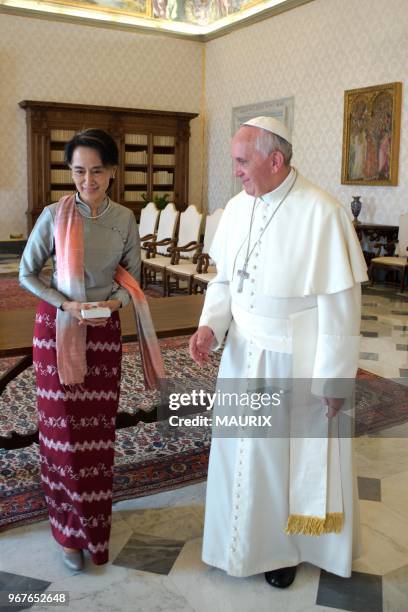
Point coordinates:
pixel 90 176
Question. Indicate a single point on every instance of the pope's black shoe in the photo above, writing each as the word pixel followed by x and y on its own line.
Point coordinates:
pixel 281 578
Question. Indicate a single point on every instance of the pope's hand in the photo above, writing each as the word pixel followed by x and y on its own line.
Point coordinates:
pixel 200 345
pixel 333 404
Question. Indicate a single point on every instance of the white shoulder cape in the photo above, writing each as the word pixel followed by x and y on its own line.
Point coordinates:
pixel 312 246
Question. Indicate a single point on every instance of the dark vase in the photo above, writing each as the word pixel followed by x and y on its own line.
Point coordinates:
pixel 356 208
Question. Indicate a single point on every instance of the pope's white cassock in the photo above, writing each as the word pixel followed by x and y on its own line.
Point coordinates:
pixel 297 316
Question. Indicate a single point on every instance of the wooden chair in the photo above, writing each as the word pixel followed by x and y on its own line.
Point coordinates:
pixel 200 263
pixel 188 236
pixel 205 273
pixel 396 255
pixel 157 248
pixel 185 269
pixel 149 220
pixel 187 240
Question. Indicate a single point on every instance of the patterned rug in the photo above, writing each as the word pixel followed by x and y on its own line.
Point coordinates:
pixel 13 297
pixel 147 460
pixel 18 402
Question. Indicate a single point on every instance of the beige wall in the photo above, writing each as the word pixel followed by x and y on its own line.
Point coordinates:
pixel 313 53
pixel 44 60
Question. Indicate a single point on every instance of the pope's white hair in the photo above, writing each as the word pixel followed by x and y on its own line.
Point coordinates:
pixel 267 142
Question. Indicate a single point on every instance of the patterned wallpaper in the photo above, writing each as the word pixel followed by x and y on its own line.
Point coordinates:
pixel 313 53
pixel 44 60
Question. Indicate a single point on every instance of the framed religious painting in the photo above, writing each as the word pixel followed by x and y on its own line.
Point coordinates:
pixel 371 135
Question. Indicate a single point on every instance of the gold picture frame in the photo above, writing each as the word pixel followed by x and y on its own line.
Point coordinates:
pixel 371 135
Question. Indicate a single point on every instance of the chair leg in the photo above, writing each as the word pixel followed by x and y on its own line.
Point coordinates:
pixel 403 279
pixel 371 273
pixel 190 285
pixel 146 277
pixel 143 277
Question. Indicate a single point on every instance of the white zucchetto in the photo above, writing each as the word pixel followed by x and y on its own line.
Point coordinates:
pixel 271 125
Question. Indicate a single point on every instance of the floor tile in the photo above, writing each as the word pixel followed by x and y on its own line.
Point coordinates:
pixel 190 495
pixel 380 368
pixel 380 457
pixel 132 592
pixel 181 523
pixel 149 554
pixel 44 560
pixel 10 582
pixel 369 488
pixel 215 591
pixel 395 590
pixel 360 593
pixel 120 534
pixel 396 431
pixel 369 356
pixel 394 493
pixel 384 539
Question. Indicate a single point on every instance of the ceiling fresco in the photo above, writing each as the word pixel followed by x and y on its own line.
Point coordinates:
pixel 184 17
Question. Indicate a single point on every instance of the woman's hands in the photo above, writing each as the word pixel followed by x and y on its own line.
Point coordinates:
pixel 74 309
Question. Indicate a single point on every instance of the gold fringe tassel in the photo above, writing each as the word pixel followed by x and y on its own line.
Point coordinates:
pixel 313 525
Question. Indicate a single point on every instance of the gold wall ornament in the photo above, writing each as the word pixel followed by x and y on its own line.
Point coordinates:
pixel 371 135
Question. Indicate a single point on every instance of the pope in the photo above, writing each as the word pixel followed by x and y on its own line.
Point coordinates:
pixel 288 295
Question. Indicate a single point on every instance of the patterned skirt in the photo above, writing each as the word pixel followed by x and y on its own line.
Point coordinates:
pixel 77 434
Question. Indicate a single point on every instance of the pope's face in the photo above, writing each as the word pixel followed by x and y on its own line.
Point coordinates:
pixel 250 165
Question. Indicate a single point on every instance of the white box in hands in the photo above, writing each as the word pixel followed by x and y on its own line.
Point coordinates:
pixel 95 311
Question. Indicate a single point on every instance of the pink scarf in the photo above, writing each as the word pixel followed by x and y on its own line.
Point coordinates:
pixel 71 337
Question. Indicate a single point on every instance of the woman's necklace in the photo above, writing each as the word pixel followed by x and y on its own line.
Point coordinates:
pixel 105 210
pixel 243 274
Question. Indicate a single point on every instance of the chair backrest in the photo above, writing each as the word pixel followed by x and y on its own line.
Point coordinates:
pixel 189 228
pixel 211 225
pixel 403 235
pixel 167 226
pixel 149 218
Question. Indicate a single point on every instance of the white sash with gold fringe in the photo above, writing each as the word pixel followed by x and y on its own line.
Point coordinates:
pixel 315 495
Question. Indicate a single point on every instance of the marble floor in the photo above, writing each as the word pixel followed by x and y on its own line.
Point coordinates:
pixel 155 552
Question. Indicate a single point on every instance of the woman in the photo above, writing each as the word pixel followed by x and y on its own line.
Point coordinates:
pixel 92 241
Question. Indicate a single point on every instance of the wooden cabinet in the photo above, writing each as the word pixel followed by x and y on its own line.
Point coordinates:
pixel 153 152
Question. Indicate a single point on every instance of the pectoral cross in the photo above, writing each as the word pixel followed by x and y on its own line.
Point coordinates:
pixel 243 274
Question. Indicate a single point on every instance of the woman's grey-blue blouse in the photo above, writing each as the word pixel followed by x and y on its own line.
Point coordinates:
pixel 109 240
